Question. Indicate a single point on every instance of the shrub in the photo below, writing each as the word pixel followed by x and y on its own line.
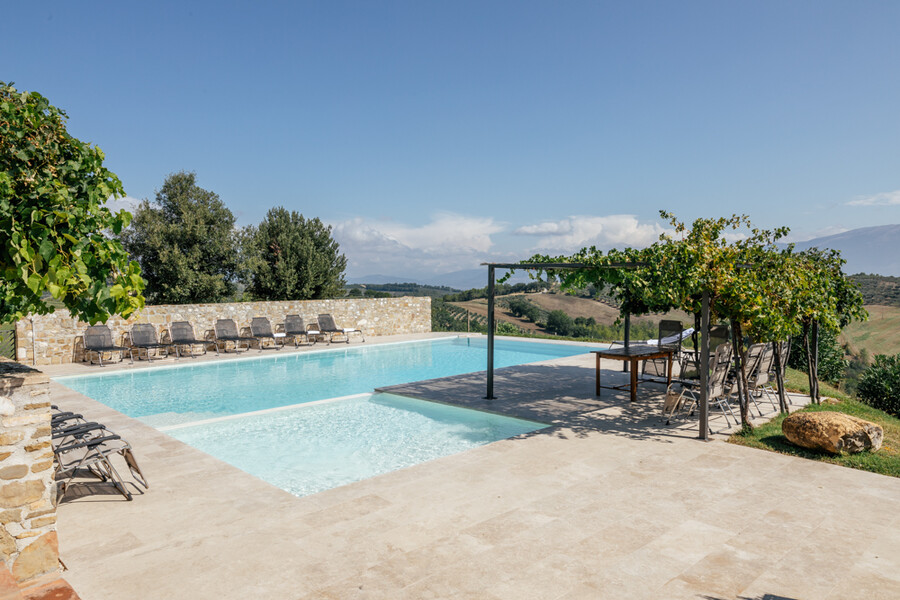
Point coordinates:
pixel 879 385
pixel 507 328
pixel 560 323
pixel 831 356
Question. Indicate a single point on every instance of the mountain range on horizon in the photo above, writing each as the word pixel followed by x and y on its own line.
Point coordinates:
pixel 873 250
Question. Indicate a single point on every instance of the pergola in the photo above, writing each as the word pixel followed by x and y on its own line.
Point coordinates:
pixel 704 327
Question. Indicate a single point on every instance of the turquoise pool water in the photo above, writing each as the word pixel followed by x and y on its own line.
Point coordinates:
pixel 316 447
pixel 169 395
pixel 309 421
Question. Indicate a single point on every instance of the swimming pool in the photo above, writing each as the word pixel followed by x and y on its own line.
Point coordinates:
pixel 318 446
pixel 309 421
pixel 168 395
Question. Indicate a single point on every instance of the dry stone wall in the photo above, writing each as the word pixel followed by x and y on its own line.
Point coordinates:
pixel 28 543
pixel 56 338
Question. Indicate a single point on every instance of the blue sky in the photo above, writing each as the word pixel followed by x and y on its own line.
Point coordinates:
pixel 436 135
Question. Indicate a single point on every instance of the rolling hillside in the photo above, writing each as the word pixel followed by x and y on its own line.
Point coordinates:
pixel 573 306
pixel 878 335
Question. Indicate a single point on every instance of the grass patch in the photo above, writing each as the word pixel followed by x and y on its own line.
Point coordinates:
pixel 885 462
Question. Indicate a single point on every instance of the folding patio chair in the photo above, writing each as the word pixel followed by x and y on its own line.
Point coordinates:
pixel 671 334
pixel 717 390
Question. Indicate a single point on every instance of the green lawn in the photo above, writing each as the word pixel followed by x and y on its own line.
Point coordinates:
pixel 886 461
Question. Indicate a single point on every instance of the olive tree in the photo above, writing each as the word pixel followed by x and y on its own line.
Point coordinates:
pixel 54 227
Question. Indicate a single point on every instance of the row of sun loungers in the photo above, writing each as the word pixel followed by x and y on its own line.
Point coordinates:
pixel 98 339
pixel 83 447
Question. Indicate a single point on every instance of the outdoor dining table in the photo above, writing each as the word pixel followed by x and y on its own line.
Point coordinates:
pixel 634 354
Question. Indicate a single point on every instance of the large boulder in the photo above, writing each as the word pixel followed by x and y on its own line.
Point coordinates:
pixel 832 432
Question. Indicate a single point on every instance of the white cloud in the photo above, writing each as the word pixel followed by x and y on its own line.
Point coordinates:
pixel 449 242
pixel 882 199
pixel 576 232
pixel 125 203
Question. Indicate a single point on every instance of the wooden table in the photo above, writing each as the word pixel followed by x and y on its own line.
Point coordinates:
pixel 634 354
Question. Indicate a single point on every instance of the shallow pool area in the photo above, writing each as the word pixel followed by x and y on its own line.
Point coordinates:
pixel 318 446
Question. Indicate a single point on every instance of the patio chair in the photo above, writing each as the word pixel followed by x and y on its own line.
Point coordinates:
pixel 327 325
pixel 295 328
pixel 181 333
pixel 671 335
pixel 98 339
pixel 227 331
pixel 752 364
pixel 717 389
pixel 261 329
pixel 689 366
pixel 143 337
pixel 759 381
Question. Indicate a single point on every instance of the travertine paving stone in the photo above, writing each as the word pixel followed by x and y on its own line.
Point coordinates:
pixel 608 503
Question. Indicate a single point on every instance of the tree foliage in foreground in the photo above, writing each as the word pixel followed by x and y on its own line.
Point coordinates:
pixel 185 242
pixel 288 257
pixel 53 220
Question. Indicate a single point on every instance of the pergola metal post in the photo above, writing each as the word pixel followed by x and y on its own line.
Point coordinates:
pixel 490 340
pixel 627 339
pixel 704 367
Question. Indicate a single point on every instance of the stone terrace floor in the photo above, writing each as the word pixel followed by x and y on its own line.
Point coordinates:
pixel 607 503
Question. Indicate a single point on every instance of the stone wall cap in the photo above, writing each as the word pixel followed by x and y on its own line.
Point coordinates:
pixel 10 369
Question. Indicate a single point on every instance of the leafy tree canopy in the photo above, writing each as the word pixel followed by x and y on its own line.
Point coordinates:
pixel 53 220
pixel 288 257
pixel 186 243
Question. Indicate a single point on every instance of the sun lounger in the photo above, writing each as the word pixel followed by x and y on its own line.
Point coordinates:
pixel 261 329
pixel 81 446
pixel 143 337
pixel 98 339
pixel 327 325
pixel 181 333
pixel 227 331
pixel 295 328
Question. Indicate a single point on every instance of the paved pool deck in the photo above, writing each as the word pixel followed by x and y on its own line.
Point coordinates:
pixel 607 503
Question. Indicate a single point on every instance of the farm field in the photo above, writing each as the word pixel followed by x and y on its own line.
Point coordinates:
pixel 573 306
pixel 878 335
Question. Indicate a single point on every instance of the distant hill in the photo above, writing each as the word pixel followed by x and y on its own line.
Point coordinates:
pixel 379 279
pixel 878 289
pixel 460 280
pixel 866 250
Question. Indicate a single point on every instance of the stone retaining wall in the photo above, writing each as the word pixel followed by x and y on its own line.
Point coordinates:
pixel 28 544
pixel 56 338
